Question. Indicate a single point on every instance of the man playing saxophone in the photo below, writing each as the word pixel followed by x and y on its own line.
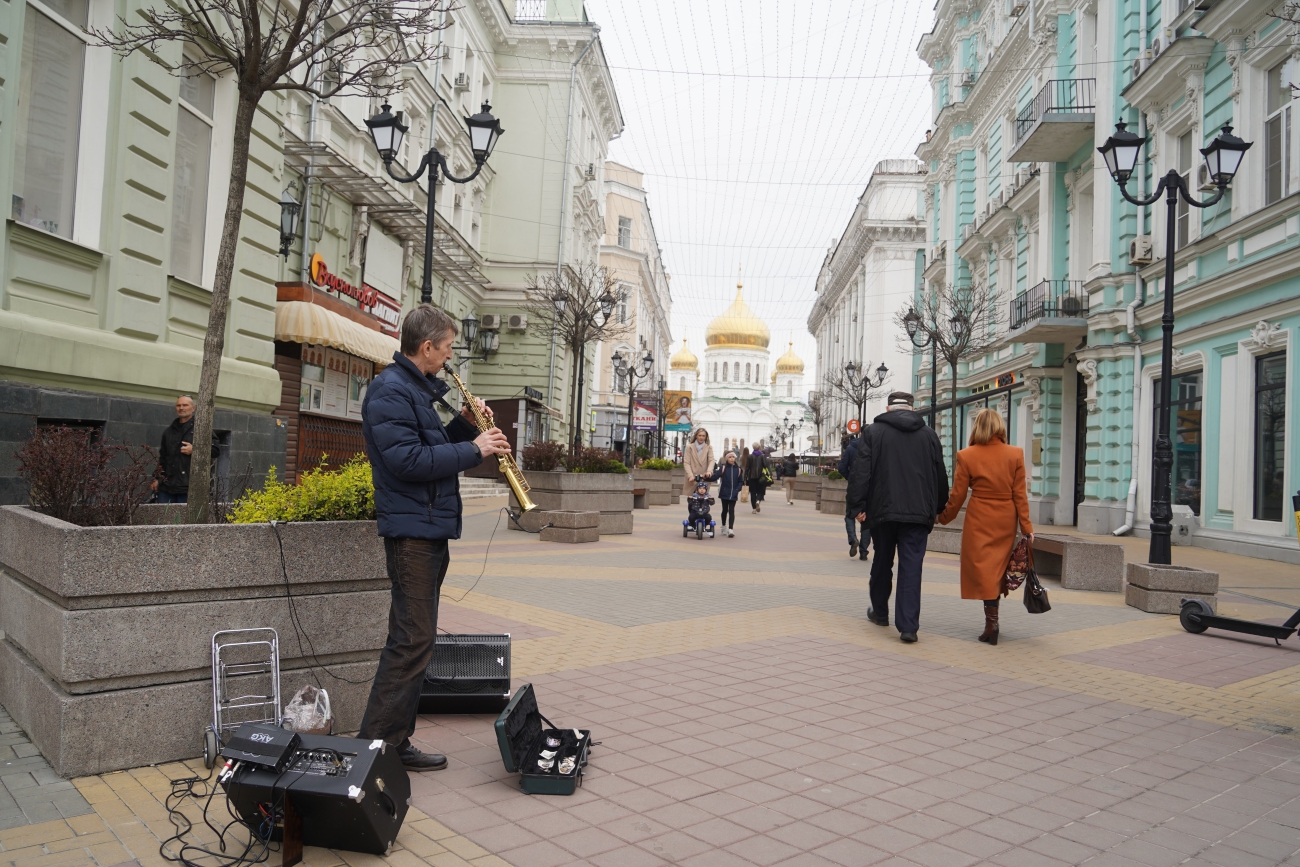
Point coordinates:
pixel 414 460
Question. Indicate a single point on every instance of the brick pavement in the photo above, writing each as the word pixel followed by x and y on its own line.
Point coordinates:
pixel 748 714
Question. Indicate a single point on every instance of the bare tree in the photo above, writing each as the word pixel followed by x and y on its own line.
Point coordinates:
pixel 856 383
pixel 961 323
pixel 576 307
pixel 321 47
pixel 816 408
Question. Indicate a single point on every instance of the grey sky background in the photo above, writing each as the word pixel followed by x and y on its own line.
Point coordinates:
pixel 757 124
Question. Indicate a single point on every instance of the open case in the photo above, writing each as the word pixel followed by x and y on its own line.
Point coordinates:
pixel 522 734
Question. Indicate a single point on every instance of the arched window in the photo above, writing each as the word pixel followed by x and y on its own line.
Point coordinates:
pixel 682 387
pixel 715 371
pixel 724 371
pixel 746 372
pixel 737 371
pixel 789 388
pixel 725 443
pixel 758 373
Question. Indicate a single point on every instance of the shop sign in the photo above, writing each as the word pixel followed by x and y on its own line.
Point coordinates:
pixel 645 417
pixel 387 310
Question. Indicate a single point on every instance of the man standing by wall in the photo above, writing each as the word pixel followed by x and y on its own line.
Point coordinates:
pixel 415 461
pixel 173 484
pixel 899 485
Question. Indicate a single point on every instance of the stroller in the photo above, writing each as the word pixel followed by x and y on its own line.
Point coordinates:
pixel 697 515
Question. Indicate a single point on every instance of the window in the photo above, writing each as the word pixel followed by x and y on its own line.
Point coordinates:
pixel 746 371
pixel 625 232
pixel 681 386
pixel 1277 134
pixel 725 368
pixel 622 307
pixel 620 383
pixel 789 388
pixel 1185 432
pixel 1184 224
pixel 715 371
pixel 1270 432
pixel 190 176
pixel 48 122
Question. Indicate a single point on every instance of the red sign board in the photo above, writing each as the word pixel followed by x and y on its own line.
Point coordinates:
pixel 384 308
pixel 853 425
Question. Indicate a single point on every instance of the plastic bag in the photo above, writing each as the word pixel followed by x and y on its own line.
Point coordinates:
pixel 308 712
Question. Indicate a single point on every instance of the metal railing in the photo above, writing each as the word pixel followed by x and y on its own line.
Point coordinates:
pixel 530 10
pixel 1050 299
pixel 1058 96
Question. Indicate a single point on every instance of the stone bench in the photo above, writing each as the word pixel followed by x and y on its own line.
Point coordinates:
pixel 1081 564
pixel 639 499
pixel 570 527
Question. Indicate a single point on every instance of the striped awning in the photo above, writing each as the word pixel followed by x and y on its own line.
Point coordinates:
pixel 301 322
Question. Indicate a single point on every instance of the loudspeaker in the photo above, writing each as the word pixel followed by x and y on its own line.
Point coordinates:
pixel 346 793
pixel 467 674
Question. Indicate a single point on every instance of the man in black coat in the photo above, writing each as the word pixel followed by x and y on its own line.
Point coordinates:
pixel 849 451
pixel 899 484
pixel 174 452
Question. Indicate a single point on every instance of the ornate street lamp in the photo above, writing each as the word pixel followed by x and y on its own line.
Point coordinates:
pixel 922 339
pixel 387 130
pixel 476 341
pixel 862 384
pixel 625 367
pixel 289 210
pixel 1222 159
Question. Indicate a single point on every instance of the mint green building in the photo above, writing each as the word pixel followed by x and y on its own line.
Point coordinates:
pixel 1019 200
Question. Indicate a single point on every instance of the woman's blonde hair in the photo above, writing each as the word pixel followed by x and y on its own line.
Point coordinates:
pixel 988 426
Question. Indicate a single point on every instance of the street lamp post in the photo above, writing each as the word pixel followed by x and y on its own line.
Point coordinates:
pixel 625 367
pixel 1222 158
pixel 289 210
pixel 387 129
pixel 663 413
pixel 861 384
pixel 921 339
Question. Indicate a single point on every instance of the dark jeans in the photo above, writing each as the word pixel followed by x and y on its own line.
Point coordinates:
pixel 416 567
pixel 851 526
pixel 909 541
pixel 757 492
pixel 728 511
pixel 167 497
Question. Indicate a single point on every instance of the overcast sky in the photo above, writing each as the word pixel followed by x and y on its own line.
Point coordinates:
pixel 757 124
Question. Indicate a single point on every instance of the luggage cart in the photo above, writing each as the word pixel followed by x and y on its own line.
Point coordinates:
pixel 244 661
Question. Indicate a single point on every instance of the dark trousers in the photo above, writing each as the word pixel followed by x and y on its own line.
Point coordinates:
pixel 909 541
pixel 168 497
pixel 416 567
pixel 851 527
pixel 728 513
pixel 757 492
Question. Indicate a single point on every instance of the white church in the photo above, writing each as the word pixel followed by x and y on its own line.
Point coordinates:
pixel 739 397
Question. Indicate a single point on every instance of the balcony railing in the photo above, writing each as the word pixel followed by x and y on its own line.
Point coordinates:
pixel 1058 96
pixel 530 10
pixel 1051 299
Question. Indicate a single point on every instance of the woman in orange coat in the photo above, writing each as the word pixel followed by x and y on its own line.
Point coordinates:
pixel 994 473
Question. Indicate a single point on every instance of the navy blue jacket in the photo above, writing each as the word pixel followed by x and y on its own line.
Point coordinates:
pixel 850 452
pixel 731 481
pixel 414 459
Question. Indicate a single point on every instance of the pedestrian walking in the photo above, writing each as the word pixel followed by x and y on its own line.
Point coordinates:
pixel 848 451
pixel 994 474
pixel 174 453
pixel 697 460
pixel 758 475
pixel 743 460
pixel 789 469
pixel 730 483
pixel 898 487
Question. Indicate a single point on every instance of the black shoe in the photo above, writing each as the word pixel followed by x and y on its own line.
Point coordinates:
pixel 414 760
pixel 862 552
pixel 853 549
pixel 882 620
pixel 907 637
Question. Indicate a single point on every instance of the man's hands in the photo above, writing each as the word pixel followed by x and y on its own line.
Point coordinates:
pixel 469 413
pixel 861 516
pixel 492 442
pixel 187 448
pixel 153 486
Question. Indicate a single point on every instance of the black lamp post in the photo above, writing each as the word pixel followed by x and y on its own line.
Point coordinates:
pixel 921 339
pixel 1222 158
pixel 862 384
pixel 387 129
pixel 625 368
pixel 289 210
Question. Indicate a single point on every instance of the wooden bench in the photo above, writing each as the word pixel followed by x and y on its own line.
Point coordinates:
pixel 639 499
pixel 1081 564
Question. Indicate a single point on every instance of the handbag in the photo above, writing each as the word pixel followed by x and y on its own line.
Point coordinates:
pixel 1035 596
pixel 767 475
pixel 1020 564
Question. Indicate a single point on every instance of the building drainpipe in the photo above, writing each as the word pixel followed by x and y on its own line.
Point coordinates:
pixel 564 194
pixel 305 271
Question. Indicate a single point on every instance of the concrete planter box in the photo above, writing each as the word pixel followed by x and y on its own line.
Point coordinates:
pixel 658 485
pixel 831 498
pixel 807 487
pixel 679 482
pixel 607 493
pixel 106 659
pixel 1161 589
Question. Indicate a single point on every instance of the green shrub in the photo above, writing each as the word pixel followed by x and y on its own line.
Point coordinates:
pixel 834 475
pixel 543 456
pixel 593 460
pixel 657 464
pixel 345 494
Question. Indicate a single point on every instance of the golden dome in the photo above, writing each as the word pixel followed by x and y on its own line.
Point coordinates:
pixel 788 363
pixel 684 359
pixel 738 326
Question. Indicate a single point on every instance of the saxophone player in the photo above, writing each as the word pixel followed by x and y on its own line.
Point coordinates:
pixel 414 460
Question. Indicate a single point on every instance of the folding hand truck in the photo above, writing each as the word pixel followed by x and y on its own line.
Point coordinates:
pixel 242 659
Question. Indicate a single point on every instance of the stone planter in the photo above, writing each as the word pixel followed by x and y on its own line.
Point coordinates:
pixel 807 487
pixel 831 498
pixel 1161 589
pixel 607 493
pixel 658 485
pixel 679 482
pixel 106 659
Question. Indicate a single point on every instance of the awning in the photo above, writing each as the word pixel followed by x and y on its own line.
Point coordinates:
pixel 301 322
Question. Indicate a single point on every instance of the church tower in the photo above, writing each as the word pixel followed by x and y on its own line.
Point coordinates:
pixel 684 369
pixel 787 377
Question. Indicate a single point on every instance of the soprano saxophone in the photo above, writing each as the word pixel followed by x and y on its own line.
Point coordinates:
pixel 514 476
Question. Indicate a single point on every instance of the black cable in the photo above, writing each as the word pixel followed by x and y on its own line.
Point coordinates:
pixel 187 787
pixel 485 552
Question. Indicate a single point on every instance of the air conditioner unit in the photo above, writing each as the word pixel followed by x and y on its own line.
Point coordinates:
pixel 1020 178
pixel 1204 182
pixel 1137 67
pixel 490 322
pixel 967 79
pixel 462 81
pixel 517 322
pixel 1155 47
pixel 589 173
pixel 1140 251
pixel 1018 9
pixel 967 231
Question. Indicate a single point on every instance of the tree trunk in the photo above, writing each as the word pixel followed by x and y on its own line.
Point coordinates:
pixel 214 342
pixel 573 398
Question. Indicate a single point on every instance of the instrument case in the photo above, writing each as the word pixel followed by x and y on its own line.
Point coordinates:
pixel 521 734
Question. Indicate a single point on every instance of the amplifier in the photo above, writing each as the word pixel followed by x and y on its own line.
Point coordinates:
pixel 338 793
pixel 467 674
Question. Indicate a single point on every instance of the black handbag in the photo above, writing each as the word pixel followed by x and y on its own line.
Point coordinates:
pixel 1035 596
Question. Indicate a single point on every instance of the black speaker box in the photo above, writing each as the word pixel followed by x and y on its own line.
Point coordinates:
pixel 467 674
pixel 347 793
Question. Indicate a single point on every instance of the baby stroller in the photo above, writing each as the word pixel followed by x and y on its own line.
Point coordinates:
pixel 697 511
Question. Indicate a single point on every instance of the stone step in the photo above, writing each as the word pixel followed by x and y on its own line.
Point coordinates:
pixel 472 488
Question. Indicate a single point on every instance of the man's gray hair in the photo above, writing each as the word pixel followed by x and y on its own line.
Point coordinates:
pixel 426 322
